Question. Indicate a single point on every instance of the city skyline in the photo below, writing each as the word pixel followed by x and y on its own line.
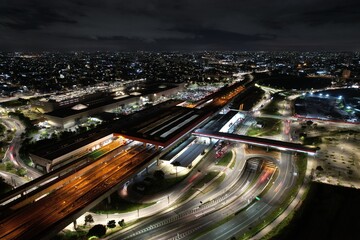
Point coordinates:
pixel 155 119
pixel 179 26
pixel 235 139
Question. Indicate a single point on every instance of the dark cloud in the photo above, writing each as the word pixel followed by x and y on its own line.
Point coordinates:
pixel 215 37
pixel 181 24
pixel 342 14
pixel 31 16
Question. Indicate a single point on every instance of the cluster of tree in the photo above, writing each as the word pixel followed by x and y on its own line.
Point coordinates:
pixel 99 230
pixel 122 223
pixel 7 135
pixel 89 219
pixel 2 129
pixel 159 174
pixel 28 144
pixel 21 171
pixel 111 224
pixel 57 137
pixel 10 167
pixel 15 103
pixel 30 127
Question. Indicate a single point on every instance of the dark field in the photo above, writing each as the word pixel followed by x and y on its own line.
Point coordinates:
pixel 331 105
pixel 292 82
pixel 329 213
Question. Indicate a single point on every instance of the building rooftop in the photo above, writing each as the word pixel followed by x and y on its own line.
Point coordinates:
pixel 107 100
pixel 160 125
pixel 73 110
pixel 58 149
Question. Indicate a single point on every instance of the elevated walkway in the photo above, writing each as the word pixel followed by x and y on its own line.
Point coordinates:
pixel 263 142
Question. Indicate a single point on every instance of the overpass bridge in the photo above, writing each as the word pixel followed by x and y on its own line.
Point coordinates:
pixel 263 142
pixel 74 195
pixel 295 117
pixel 258 114
pixel 55 200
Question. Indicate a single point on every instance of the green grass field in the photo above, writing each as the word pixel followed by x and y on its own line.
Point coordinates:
pixel 270 127
pixel 118 205
pixel 96 154
pixel 225 160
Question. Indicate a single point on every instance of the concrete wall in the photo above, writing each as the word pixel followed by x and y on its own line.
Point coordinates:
pixel 44 164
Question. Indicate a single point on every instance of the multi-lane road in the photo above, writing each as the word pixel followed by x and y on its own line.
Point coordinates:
pixel 13 151
pixel 185 220
pixel 200 217
pixel 234 198
pixel 56 210
pixel 270 201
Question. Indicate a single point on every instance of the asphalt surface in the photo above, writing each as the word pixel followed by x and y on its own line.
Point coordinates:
pixel 198 218
pixel 13 151
pixel 35 220
pixel 237 192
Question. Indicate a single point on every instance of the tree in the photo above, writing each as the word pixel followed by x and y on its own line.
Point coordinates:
pixel 21 172
pixel 9 166
pixel 98 230
pixel 89 219
pixel 121 223
pixel 319 168
pixel 159 174
pixel 81 129
pixel 111 224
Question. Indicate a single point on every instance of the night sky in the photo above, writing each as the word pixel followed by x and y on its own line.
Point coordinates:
pixel 184 25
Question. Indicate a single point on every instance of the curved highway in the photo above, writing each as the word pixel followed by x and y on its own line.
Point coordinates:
pixel 13 151
pixel 194 220
pixel 237 192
